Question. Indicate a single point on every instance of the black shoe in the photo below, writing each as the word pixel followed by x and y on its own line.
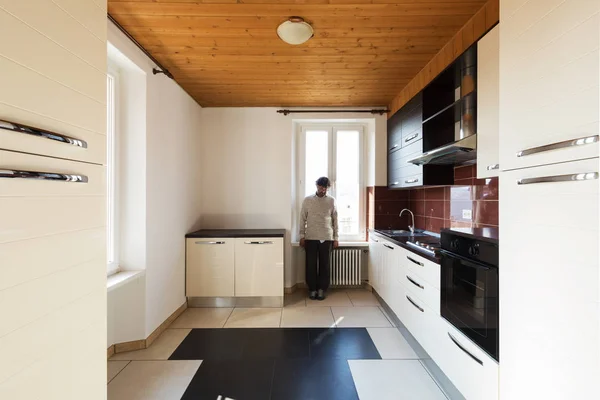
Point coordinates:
pixel 321 295
pixel 312 295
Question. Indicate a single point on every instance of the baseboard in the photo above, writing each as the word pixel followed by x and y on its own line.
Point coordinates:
pixel 145 343
pixel 290 290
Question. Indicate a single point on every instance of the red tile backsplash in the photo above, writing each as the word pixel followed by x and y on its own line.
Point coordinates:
pixel 439 207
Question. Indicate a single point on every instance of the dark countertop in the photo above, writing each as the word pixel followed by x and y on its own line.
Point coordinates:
pixel 485 234
pixel 232 233
pixel 401 241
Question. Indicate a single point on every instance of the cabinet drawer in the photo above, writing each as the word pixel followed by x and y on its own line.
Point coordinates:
pixel 472 371
pixel 423 268
pixel 422 289
pixel 417 317
pixel 258 267
pixel 210 267
pixel 81 145
pixel 409 138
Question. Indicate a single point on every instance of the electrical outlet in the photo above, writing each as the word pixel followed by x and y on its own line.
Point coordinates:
pixel 467 214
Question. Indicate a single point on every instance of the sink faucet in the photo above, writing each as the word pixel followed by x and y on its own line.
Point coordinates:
pixel 411 228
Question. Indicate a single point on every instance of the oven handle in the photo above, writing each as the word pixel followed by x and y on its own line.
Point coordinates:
pixel 464 260
pixel 460 346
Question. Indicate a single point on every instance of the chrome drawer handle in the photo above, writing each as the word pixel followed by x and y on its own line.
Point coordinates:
pixel 11 126
pixel 414 282
pixel 412 180
pixel 395 183
pixel 47 176
pixel 465 350
pixel 375 240
pixel 560 145
pixel 415 261
pixel 210 242
pixel 588 176
pixel 412 137
pixel 493 166
pixel 415 304
pixel 258 242
pixel 393 147
pixel 389 247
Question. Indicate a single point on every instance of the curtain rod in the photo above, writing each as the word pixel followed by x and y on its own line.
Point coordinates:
pixel 160 69
pixel 374 111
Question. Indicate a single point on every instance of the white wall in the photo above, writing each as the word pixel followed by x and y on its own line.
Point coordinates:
pixel 52 234
pixel 169 195
pixel 247 177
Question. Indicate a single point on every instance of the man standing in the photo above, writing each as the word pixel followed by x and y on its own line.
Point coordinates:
pixel 318 234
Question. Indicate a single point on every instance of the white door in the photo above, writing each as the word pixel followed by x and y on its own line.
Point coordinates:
pixel 549 282
pixel 210 267
pixel 258 267
pixel 488 66
pixel 549 81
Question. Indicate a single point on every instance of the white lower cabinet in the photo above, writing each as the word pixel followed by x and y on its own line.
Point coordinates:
pixel 375 262
pixel 210 267
pixel 258 267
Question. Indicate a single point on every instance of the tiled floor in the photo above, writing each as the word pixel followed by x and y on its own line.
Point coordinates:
pixel 342 348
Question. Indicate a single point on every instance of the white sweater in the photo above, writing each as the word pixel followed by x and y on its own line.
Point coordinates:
pixel 318 218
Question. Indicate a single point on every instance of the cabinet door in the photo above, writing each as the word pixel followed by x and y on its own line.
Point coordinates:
pixel 488 70
pixel 374 262
pixel 258 267
pixel 549 283
pixel 209 267
pixel 549 82
pixel 390 254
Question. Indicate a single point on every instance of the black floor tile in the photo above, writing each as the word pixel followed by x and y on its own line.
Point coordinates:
pixel 276 343
pixel 211 344
pixel 236 379
pixel 313 379
pixel 342 343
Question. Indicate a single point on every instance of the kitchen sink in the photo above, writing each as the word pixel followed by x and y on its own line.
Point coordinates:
pixel 400 232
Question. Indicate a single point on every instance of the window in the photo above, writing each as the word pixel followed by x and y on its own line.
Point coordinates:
pixel 111 173
pixel 335 151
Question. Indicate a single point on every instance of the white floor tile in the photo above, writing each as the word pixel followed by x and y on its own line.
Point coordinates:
pixel 153 380
pixel 393 380
pixel 114 367
pixel 254 318
pixel 307 317
pixel 333 298
pixel 360 317
pixel 202 318
pixel 361 298
pixel 387 316
pixel 161 349
pixel 391 344
pixel 296 299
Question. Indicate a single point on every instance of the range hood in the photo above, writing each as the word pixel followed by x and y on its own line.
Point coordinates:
pixel 459 152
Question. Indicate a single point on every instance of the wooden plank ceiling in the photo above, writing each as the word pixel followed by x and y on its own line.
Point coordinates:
pixel 226 53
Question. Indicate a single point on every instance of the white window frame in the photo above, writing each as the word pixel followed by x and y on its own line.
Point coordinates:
pixel 332 129
pixel 112 158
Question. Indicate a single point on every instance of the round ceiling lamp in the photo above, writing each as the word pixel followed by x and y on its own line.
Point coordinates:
pixel 295 31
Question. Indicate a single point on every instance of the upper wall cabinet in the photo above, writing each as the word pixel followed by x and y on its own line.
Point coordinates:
pixel 549 97
pixel 488 65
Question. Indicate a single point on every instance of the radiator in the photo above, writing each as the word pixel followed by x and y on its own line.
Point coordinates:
pixel 345 269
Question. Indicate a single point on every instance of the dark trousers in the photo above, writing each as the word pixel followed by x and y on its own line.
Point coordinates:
pixel 317 276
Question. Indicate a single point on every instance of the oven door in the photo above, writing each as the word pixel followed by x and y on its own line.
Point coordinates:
pixel 469 299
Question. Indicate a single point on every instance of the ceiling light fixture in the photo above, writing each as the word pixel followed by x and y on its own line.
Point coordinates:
pixel 295 31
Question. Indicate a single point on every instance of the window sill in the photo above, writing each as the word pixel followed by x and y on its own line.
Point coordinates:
pixel 121 278
pixel 342 244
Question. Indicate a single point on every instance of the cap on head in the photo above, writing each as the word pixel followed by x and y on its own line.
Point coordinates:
pixel 323 182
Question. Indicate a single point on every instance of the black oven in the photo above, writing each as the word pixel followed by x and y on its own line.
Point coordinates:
pixel 469 287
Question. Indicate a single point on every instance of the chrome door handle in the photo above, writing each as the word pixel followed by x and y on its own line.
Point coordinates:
pixel 393 147
pixel 460 346
pixel 415 261
pixel 47 176
pixel 11 126
pixel 415 304
pixel 588 176
pixel 412 180
pixel 414 282
pixel 258 242
pixel 559 145
pixel 408 139
pixel 210 242
pixel 389 247
pixel 375 240
pixel 395 183
pixel 493 166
